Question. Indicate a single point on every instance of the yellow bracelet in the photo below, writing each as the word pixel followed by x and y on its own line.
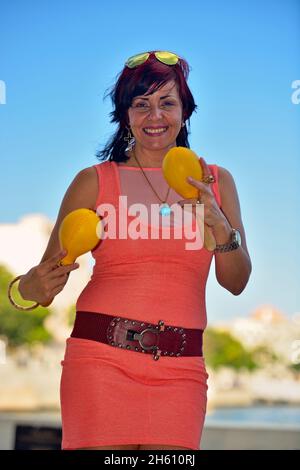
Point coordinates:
pixel 19 307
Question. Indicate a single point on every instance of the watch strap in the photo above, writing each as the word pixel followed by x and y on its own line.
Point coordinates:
pixel 233 244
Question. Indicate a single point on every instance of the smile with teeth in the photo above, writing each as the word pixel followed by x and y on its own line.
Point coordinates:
pixel 161 130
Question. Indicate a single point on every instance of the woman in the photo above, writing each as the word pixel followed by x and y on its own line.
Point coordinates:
pixel 123 387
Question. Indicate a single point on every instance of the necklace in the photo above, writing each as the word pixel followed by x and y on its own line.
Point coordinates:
pixel 164 208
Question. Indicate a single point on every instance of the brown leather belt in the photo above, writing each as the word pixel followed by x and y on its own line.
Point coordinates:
pixel 133 335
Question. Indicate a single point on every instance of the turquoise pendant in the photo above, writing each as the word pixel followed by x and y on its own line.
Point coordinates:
pixel 165 209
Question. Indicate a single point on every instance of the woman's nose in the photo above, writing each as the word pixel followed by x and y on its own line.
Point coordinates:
pixel 155 112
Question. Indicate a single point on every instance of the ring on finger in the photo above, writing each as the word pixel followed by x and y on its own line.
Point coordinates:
pixel 208 179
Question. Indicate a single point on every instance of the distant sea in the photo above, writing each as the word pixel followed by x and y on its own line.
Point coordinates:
pixel 258 416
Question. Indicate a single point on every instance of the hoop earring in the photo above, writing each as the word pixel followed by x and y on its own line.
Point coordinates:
pixel 131 141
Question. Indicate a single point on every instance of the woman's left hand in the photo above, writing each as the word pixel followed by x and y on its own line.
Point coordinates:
pixel 213 215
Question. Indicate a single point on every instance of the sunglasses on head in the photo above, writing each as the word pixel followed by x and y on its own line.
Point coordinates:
pixel 165 57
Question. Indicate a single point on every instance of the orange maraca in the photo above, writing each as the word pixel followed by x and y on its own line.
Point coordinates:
pixel 79 232
pixel 178 164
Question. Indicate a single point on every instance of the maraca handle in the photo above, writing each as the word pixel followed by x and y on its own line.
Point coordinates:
pixel 209 239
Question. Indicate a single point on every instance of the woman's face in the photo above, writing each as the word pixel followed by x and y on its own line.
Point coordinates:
pixel 161 110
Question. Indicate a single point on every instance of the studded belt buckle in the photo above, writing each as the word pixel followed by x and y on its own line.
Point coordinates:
pixel 120 335
pixel 135 336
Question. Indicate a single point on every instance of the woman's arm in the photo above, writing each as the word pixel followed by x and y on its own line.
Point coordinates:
pixel 233 268
pixel 82 192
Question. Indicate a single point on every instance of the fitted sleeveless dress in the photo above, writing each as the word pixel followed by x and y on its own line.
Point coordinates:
pixel 112 396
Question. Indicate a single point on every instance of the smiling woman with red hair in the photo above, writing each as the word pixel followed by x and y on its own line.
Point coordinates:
pixel 145 79
pixel 134 375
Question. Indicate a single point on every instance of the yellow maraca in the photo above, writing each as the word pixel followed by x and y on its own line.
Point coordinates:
pixel 178 164
pixel 79 232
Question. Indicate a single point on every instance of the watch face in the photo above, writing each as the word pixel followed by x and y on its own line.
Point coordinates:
pixel 237 237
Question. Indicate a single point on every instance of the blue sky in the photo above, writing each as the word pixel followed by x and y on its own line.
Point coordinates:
pixel 57 59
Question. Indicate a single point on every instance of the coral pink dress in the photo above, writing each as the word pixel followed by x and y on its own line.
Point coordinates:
pixel 112 396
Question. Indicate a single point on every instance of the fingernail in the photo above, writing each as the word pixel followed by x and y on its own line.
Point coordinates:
pixel 189 178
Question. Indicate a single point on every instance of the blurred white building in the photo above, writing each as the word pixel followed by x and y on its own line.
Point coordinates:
pixel 267 326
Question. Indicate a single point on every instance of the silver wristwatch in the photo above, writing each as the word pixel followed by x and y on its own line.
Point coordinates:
pixel 233 244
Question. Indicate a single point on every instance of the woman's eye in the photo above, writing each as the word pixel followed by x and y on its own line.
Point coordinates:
pixel 145 105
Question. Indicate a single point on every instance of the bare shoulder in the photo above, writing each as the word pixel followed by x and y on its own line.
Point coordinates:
pixel 230 203
pixel 85 187
pixel 227 187
pixel 225 178
pixel 82 192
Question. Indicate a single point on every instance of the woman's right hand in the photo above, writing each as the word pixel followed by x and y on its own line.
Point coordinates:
pixel 44 281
